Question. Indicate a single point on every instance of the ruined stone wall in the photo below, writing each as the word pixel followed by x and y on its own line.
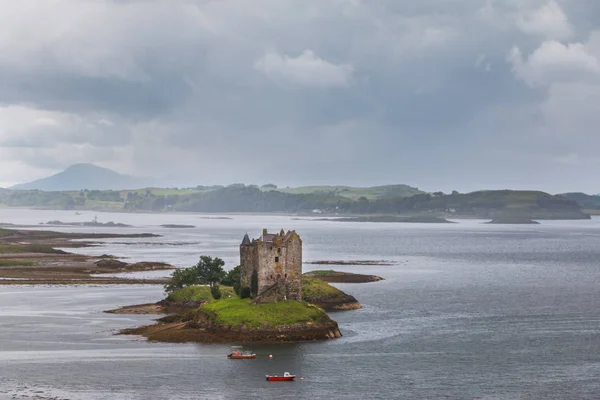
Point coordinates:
pixel 248 262
pixel 274 262
pixel 293 262
pixel 267 252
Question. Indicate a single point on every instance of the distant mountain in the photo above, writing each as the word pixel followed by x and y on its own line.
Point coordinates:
pixel 85 176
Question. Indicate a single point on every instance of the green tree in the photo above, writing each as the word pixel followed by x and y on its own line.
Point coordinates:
pixel 232 277
pixel 181 278
pixel 209 270
pixel 254 284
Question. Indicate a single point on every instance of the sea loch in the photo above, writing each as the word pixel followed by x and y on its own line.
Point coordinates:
pixel 468 310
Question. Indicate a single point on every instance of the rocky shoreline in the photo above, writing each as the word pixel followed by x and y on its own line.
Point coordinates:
pixel 184 332
pixel 31 257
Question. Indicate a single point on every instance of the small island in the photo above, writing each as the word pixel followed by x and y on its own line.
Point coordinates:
pixel 342 277
pixel 352 262
pixel 422 219
pixel 237 320
pixel 513 221
pixel 94 223
pixel 266 298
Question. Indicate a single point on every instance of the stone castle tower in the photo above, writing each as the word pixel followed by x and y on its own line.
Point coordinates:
pixel 277 258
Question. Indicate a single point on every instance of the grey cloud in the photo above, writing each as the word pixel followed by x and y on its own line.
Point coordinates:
pixel 350 91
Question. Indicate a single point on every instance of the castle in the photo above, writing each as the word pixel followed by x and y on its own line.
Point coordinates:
pixel 277 258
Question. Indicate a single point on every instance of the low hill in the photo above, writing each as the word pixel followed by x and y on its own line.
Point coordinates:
pixel 84 176
pixel 353 193
pixel 237 199
pixel 585 201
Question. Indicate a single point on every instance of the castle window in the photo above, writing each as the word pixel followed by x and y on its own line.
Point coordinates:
pixel 276 259
pixel 278 251
pixel 278 276
pixel 285 276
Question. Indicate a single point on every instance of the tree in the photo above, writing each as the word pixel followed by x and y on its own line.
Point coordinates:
pixel 232 277
pixel 209 270
pixel 254 284
pixel 181 278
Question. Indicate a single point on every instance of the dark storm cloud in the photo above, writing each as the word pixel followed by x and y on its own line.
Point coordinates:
pixel 450 94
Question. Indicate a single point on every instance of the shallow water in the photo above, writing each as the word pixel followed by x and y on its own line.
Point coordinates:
pixel 469 311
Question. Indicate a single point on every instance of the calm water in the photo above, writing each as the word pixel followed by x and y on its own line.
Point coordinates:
pixel 469 311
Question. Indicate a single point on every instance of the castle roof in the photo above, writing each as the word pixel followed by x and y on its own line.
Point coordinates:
pixel 276 237
pixel 246 240
pixel 268 237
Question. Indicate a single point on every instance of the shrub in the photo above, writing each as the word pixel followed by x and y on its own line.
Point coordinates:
pixel 254 284
pixel 237 287
pixel 245 292
pixel 215 291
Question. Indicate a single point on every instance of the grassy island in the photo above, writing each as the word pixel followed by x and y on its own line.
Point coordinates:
pixel 238 320
pixel 319 292
pixel 194 316
pixel 342 277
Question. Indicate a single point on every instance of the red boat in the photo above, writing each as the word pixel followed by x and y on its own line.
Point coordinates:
pixel 286 377
pixel 237 353
pixel 241 356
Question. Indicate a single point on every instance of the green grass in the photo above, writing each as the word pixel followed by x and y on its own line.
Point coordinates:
pixel 238 312
pixel 17 263
pixel 200 293
pixel 161 191
pixel 322 272
pixel 28 248
pixel 354 193
pixel 315 290
pixel 6 232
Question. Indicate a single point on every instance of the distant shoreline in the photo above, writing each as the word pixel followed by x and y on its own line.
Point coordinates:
pixel 224 216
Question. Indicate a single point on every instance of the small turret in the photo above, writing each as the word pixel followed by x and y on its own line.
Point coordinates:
pixel 246 240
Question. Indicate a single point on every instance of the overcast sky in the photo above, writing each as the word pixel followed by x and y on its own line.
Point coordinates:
pixel 439 94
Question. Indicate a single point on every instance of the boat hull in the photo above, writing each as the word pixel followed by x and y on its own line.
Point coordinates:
pixel 242 357
pixel 280 378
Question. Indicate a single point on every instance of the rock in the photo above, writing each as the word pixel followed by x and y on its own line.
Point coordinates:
pixel 110 263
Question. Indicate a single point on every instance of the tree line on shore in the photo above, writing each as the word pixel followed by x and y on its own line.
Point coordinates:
pixel 239 198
